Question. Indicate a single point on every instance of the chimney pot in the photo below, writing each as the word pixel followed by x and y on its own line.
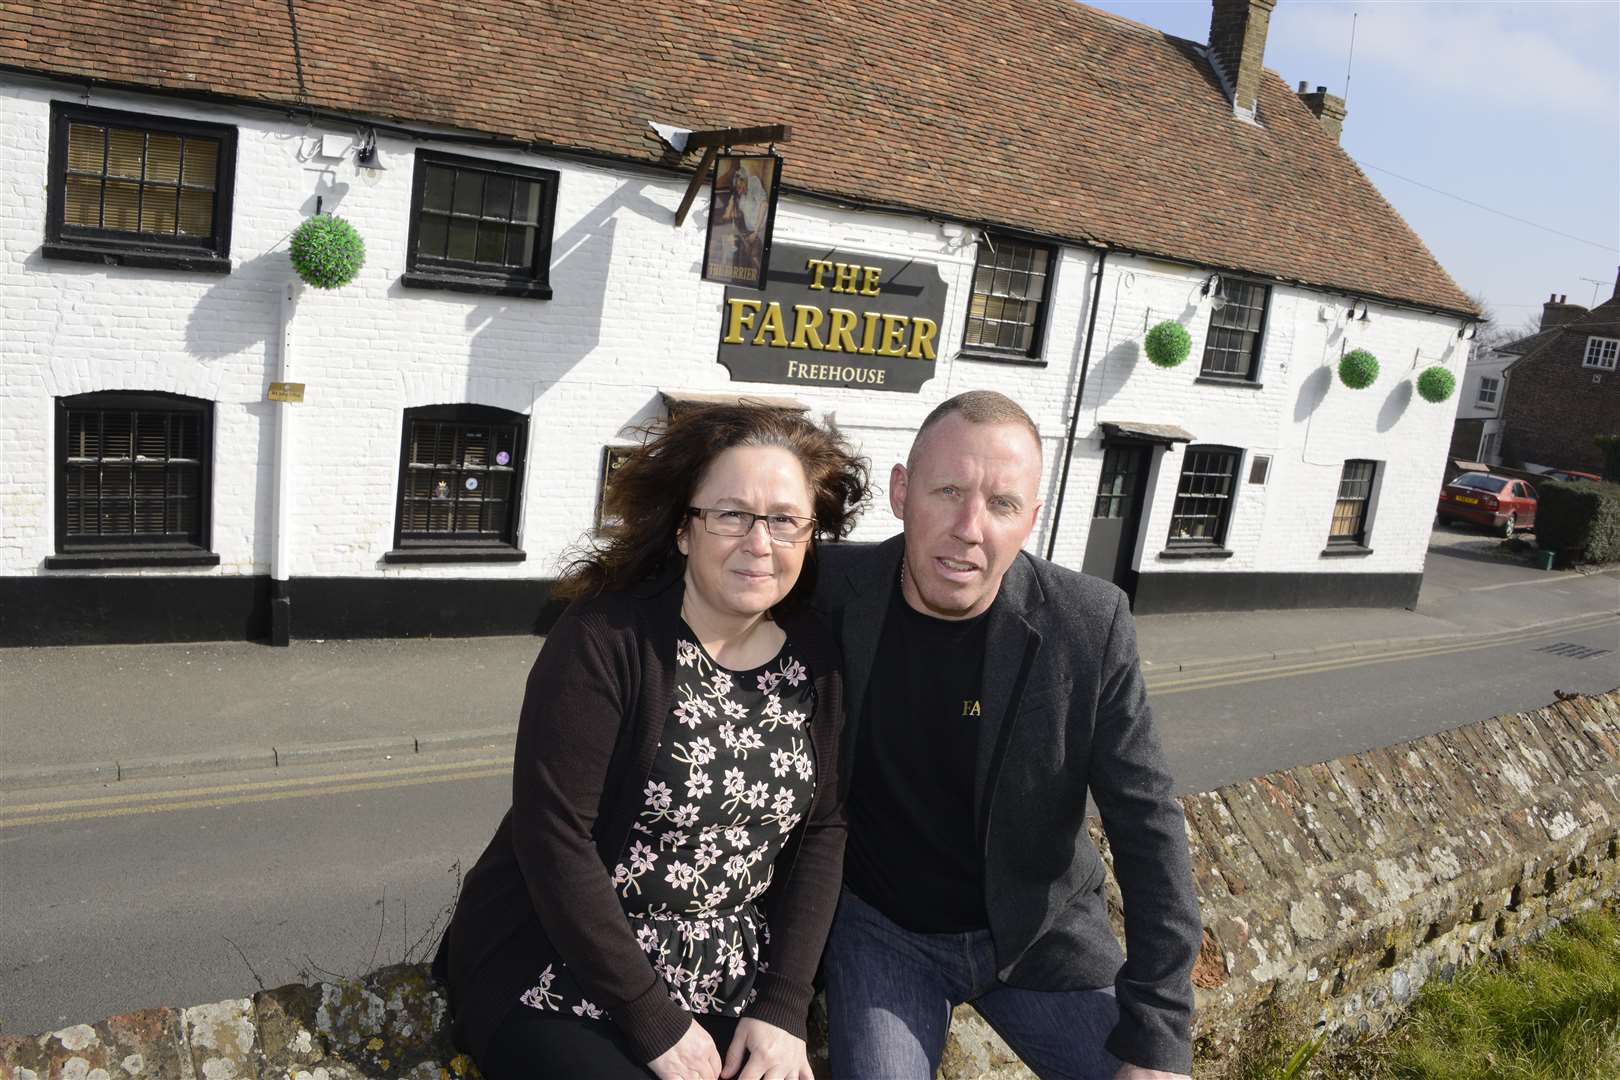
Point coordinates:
pixel 1328 110
pixel 1558 310
pixel 1302 85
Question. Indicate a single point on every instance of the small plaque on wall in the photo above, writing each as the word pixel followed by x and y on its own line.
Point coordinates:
pixel 286 391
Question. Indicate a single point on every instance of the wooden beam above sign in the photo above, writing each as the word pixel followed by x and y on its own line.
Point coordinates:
pixel 712 141
pixel 748 136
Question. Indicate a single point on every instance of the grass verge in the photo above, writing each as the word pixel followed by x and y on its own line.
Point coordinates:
pixel 1551 1014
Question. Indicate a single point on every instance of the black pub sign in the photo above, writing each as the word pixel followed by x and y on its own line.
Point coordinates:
pixel 830 318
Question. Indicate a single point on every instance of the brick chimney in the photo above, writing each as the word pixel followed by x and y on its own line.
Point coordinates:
pixel 1558 310
pixel 1237 48
pixel 1328 109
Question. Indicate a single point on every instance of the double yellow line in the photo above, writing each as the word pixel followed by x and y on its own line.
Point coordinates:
pixel 1189 682
pixel 161 802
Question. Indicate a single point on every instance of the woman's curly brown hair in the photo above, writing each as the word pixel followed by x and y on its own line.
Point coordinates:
pixel 647 502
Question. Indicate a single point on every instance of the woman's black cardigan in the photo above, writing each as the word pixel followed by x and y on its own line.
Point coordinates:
pixel 593 714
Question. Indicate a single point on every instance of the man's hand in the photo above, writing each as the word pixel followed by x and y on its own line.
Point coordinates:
pixel 693 1058
pixel 772 1054
pixel 1128 1071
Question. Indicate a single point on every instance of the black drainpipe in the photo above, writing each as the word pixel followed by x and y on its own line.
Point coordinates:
pixel 1079 397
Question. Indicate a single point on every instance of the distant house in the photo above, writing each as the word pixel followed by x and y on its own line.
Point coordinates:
pixel 1476 435
pixel 1563 387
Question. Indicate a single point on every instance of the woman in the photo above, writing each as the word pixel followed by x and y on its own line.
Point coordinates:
pixel 659 892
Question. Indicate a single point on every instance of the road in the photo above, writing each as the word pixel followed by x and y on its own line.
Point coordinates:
pixel 1221 725
pixel 182 891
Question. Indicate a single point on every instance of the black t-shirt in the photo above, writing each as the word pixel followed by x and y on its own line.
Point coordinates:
pixel 913 851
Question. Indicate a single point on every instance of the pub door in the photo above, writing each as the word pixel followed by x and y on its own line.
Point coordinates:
pixel 1117 515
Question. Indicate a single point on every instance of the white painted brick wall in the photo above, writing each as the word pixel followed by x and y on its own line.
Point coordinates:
pixel 629 317
pixel 1301 416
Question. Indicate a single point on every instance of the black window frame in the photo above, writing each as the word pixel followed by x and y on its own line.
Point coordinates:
pixel 428 547
pixel 993 243
pixel 1357 539
pixel 1217 542
pixel 120 247
pixel 81 551
pixel 533 282
pixel 1251 372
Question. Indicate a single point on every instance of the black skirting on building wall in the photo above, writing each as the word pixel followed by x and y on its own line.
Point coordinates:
pixel 121 609
pixel 118 609
pixel 1158 594
pixel 420 607
pixel 105 610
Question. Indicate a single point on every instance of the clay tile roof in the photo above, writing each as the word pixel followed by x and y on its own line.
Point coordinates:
pixel 1037 115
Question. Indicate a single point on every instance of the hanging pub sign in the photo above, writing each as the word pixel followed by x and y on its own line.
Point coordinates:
pixel 742 209
pixel 827 318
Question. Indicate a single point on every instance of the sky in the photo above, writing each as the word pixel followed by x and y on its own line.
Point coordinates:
pixel 1512 106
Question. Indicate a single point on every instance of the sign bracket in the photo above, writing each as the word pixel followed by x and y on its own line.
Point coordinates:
pixel 711 142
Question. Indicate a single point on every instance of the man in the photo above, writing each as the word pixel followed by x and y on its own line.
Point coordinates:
pixel 988 690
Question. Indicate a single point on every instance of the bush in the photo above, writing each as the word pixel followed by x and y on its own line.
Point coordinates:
pixel 1579 518
pixel 1359 369
pixel 1167 344
pixel 1436 384
pixel 327 251
pixel 1610 445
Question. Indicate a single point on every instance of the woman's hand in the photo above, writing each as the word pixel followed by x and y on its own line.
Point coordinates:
pixel 693 1058
pixel 772 1054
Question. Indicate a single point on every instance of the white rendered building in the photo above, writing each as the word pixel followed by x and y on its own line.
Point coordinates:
pixel 522 305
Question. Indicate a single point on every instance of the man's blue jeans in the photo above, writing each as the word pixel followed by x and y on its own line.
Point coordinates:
pixel 890 993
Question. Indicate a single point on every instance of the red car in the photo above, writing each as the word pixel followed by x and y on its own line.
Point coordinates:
pixel 1497 502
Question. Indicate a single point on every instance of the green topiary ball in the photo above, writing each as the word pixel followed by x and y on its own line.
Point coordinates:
pixel 1359 369
pixel 1167 344
pixel 1436 384
pixel 327 252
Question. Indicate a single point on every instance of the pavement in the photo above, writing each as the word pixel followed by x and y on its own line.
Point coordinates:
pixel 101 714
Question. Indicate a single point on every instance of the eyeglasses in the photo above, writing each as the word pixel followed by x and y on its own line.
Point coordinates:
pixel 784 528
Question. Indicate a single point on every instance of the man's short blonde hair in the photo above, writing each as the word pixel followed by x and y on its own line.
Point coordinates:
pixel 977 407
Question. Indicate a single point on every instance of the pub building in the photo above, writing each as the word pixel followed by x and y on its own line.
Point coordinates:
pixel 1153 244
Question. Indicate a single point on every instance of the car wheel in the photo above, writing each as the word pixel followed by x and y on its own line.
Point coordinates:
pixel 1507 526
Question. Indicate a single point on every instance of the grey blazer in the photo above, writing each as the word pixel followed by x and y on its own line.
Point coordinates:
pixel 1065 710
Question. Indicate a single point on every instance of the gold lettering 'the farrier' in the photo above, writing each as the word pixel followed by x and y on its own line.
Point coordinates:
pixel 754 322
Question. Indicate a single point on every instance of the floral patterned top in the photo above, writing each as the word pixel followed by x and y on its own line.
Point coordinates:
pixel 732 778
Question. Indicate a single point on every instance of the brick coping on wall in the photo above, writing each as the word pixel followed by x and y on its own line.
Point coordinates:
pixel 1341 887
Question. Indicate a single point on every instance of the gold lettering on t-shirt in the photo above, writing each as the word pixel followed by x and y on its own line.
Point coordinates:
pixel 970 707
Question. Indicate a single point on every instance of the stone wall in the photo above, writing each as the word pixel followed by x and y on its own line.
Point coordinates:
pixel 1346 885
pixel 1340 887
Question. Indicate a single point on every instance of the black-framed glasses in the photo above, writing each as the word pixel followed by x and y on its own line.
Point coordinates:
pixel 723 521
